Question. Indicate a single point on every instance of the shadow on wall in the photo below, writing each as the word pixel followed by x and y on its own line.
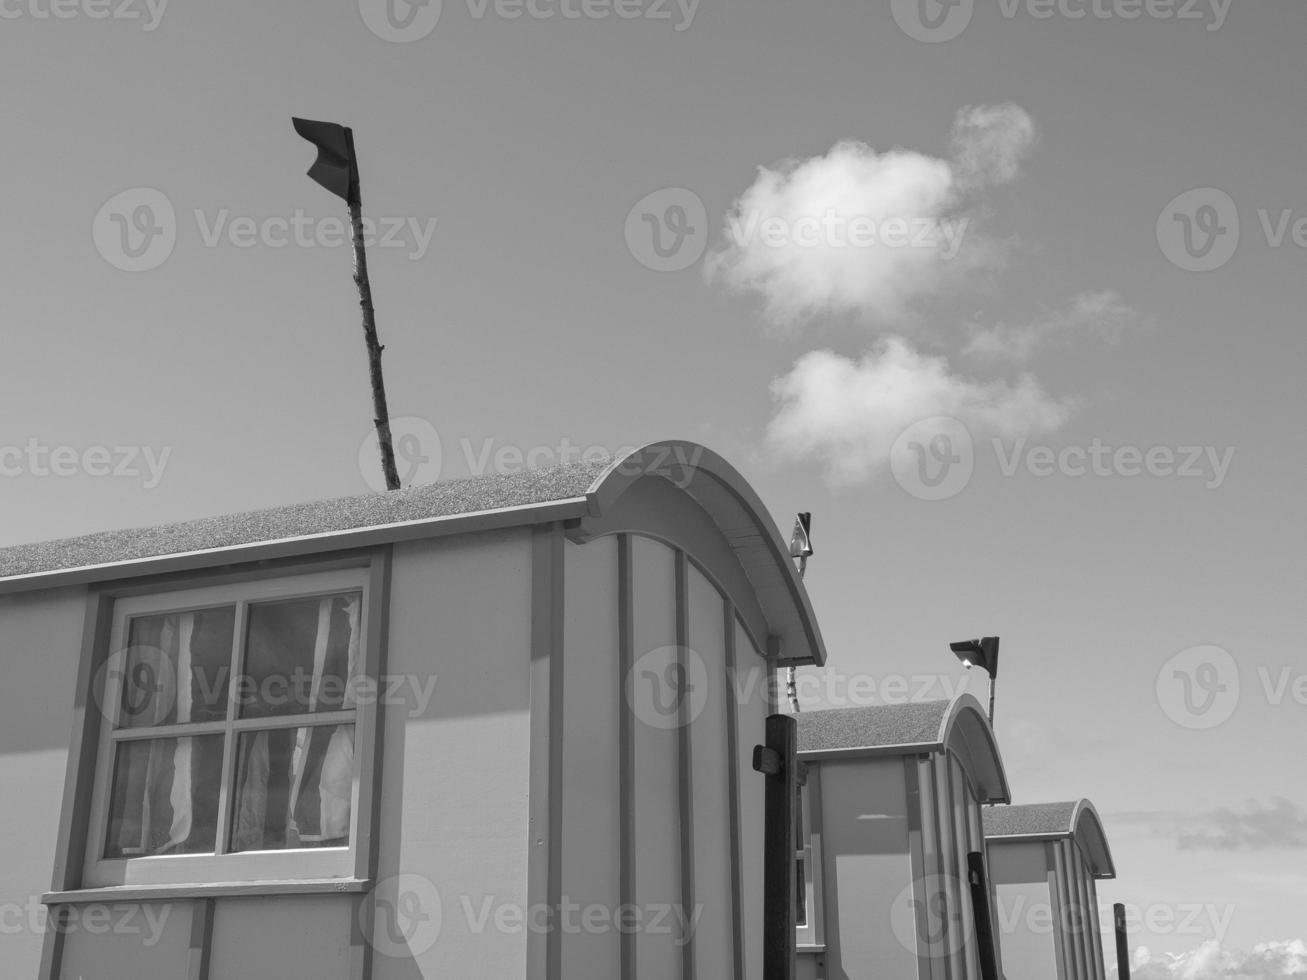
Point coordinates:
pixel 40 644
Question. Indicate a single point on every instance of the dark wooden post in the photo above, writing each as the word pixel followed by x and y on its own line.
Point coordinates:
pixel 777 761
pixel 380 411
pixel 984 920
pixel 1122 943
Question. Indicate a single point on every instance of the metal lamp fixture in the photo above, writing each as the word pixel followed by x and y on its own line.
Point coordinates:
pixel 982 653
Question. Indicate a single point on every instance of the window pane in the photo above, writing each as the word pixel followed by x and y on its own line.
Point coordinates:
pixel 176 668
pixel 164 798
pixel 300 655
pixel 294 788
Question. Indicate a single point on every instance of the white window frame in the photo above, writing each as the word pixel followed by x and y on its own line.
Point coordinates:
pixel 812 934
pixel 243 866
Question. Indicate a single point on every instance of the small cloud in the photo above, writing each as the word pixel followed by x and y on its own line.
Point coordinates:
pixel 866 232
pixel 1255 827
pixel 1210 961
pixel 847 413
pixel 1101 313
pixel 991 142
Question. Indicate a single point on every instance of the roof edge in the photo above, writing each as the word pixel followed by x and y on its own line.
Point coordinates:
pixel 1086 829
pixel 308 544
pixel 964 720
pixel 1092 839
pixel 679 461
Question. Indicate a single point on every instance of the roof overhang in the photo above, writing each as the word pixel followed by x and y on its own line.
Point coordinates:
pixel 1085 828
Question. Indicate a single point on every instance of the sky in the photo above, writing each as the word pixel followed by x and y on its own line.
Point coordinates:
pixel 1007 294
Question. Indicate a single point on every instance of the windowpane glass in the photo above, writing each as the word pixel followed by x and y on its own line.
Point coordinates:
pixel 164 798
pixel 294 788
pixel 300 656
pixel 176 668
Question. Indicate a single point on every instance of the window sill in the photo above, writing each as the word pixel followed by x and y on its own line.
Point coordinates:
pixel 227 889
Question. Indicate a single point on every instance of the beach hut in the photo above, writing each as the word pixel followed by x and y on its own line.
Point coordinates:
pixel 497 727
pixel 1045 859
pixel 890 844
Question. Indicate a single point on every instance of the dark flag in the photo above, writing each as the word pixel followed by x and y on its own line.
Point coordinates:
pixel 336 168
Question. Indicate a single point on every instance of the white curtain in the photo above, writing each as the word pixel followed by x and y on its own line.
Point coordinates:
pixel 158 787
pixel 308 770
pixel 293 786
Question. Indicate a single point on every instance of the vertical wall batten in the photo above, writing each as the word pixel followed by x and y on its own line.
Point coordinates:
pixel 1053 859
pixel 556 713
pixel 916 846
pixel 544 872
pixel 1100 964
pixel 626 747
pixel 362 921
pixel 1082 910
pixel 52 949
pixel 79 780
pixel 371 753
pixel 685 762
pixel 201 945
pixel 733 771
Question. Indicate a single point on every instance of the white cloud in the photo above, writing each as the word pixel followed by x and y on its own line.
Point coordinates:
pixel 1267 961
pixel 886 238
pixel 990 143
pixel 1103 313
pixel 1255 826
pixel 857 231
pixel 847 414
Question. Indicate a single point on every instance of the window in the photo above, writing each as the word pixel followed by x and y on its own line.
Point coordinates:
pixel 807 856
pixel 230 717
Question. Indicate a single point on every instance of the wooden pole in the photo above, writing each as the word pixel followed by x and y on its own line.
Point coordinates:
pixel 778 761
pixel 1122 943
pixel 381 413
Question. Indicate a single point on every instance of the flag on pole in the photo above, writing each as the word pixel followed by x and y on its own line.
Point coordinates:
pixel 336 168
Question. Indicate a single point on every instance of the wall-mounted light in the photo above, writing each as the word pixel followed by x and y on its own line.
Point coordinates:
pixel 982 653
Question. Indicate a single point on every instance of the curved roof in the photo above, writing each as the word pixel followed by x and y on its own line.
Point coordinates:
pixel 566 492
pixel 1076 819
pixel 959 726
